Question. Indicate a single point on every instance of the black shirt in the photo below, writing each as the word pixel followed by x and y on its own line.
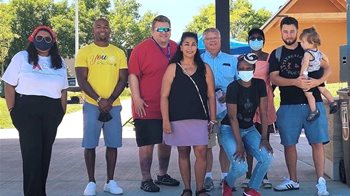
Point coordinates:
pixel 184 101
pixel 247 100
pixel 289 67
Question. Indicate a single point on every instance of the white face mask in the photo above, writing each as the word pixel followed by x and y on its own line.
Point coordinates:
pixel 246 76
pixel 256 44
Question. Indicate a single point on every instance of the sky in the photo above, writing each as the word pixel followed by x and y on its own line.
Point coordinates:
pixel 180 12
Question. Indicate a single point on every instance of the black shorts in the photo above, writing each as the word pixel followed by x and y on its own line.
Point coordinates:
pixel 148 131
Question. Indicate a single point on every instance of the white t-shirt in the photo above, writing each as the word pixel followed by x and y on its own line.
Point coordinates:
pixel 41 80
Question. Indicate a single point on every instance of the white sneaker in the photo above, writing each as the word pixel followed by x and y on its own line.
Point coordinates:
pixel 90 189
pixel 322 187
pixel 287 185
pixel 113 187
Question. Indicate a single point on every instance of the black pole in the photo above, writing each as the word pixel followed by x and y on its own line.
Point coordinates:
pixel 222 13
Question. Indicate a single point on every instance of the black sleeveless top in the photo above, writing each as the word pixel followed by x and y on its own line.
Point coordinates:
pixel 184 101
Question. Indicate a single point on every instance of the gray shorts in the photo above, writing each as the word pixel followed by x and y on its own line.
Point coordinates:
pixel 112 130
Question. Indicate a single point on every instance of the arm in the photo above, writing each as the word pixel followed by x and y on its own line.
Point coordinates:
pixel 211 93
pixel 64 100
pixel 299 82
pixel 263 116
pixel 122 82
pixel 305 63
pixel 139 104
pixel 232 115
pixel 168 79
pixel 10 96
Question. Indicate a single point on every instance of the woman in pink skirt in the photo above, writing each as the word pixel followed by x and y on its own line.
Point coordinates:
pixel 187 91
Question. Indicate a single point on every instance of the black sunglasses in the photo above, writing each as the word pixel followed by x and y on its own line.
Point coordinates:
pixel 259 38
pixel 39 38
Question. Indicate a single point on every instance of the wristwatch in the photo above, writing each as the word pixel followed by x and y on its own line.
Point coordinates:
pixel 98 99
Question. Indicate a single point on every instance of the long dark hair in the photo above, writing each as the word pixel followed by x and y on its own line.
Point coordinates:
pixel 178 56
pixel 56 60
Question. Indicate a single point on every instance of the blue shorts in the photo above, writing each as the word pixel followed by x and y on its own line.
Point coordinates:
pixel 112 130
pixel 292 118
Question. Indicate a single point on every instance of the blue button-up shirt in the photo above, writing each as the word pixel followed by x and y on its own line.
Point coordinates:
pixel 224 67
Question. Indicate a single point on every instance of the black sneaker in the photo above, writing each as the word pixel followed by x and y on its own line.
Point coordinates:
pixel 149 186
pixel 166 180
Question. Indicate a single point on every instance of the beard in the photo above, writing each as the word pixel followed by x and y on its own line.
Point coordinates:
pixel 288 42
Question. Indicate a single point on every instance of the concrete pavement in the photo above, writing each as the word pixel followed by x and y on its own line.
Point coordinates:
pixel 68 177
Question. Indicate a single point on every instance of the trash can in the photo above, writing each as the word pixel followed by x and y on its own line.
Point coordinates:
pixel 2 89
pixel 344 96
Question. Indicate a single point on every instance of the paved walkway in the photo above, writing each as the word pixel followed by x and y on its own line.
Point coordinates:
pixel 68 177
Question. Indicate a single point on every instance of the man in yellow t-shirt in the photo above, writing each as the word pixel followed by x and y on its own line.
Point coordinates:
pixel 102 74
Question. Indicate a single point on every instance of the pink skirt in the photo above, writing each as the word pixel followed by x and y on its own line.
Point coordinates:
pixel 191 132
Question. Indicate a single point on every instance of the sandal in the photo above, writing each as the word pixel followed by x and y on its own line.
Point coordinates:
pixel 186 192
pixel 202 192
pixel 313 115
pixel 333 107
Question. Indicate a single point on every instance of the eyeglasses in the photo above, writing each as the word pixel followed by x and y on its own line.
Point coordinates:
pixel 39 38
pixel 259 38
pixel 163 29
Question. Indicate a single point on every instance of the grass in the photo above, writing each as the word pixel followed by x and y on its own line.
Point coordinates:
pixel 5 120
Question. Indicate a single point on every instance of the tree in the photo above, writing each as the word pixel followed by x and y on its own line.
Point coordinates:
pixel 242 18
pixel 6 35
pixel 26 16
pixel 128 28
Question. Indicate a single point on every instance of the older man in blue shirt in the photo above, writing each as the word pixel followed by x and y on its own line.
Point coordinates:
pixel 224 67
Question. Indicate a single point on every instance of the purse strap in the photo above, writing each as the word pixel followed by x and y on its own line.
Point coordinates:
pixel 194 83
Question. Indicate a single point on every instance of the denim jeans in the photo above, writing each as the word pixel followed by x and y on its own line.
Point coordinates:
pixel 251 140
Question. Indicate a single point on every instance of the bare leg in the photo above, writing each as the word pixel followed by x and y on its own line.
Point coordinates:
pixel 290 154
pixel 319 159
pixel 90 156
pixel 209 160
pixel 200 165
pixel 111 159
pixel 185 165
pixel 326 94
pixel 145 156
pixel 224 162
pixel 311 101
pixel 164 152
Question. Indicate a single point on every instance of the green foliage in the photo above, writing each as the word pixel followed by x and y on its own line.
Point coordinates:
pixel 20 17
pixel 242 18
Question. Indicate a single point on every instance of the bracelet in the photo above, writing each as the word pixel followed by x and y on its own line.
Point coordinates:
pixel 98 99
pixel 212 122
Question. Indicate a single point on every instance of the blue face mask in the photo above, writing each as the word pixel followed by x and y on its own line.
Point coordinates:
pixel 246 76
pixel 42 45
pixel 256 44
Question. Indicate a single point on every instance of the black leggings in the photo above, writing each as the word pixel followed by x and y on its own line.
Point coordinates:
pixel 36 118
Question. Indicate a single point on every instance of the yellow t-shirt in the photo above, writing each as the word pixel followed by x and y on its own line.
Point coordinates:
pixel 103 65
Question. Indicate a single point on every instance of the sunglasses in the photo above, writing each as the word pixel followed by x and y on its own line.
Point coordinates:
pixel 259 38
pixel 39 38
pixel 163 29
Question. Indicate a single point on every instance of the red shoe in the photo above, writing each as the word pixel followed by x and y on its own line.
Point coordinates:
pixel 250 192
pixel 226 189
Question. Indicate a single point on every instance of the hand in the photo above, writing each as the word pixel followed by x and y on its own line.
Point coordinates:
pixel 303 83
pixel 240 153
pixel 167 127
pixel 104 105
pixel 314 82
pixel 222 99
pixel 211 125
pixel 140 105
pixel 265 143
